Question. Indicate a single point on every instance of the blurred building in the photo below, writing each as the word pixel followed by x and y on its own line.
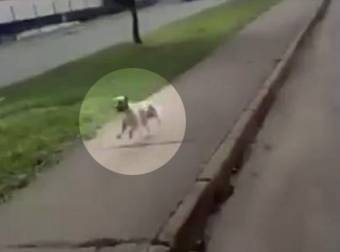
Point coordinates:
pixel 17 16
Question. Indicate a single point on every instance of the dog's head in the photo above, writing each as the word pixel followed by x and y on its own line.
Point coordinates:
pixel 122 103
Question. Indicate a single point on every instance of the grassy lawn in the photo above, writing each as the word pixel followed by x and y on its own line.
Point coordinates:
pixel 97 106
pixel 40 115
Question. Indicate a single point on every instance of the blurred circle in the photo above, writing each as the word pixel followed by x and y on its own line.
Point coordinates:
pixel 140 149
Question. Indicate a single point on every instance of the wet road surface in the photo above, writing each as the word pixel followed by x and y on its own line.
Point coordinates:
pixel 79 200
pixel 287 196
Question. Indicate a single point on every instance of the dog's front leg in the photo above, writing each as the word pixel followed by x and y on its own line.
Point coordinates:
pixel 124 126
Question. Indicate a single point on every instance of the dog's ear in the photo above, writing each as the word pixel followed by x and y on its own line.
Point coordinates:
pixel 126 99
pixel 122 98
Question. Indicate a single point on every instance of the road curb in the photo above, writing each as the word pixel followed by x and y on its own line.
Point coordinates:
pixel 184 230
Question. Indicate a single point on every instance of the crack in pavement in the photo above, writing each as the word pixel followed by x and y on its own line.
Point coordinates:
pixel 95 243
pixel 146 144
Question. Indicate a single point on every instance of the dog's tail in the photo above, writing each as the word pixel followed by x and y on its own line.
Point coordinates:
pixel 154 111
pixel 159 109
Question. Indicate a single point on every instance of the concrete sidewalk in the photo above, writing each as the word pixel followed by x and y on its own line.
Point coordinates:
pixel 79 201
pixel 287 196
pixel 23 59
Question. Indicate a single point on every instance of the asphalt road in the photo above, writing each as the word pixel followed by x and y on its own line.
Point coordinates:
pixel 287 196
pixel 78 200
pixel 26 58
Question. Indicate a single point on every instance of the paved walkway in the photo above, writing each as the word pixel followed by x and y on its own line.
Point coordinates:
pixel 287 196
pixel 23 59
pixel 78 200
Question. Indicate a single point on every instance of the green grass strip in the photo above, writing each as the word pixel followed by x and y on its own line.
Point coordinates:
pixel 40 115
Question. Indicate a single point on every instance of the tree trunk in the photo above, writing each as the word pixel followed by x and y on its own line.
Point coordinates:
pixel 135 26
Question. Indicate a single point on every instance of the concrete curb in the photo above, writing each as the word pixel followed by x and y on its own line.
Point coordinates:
pixel 184 230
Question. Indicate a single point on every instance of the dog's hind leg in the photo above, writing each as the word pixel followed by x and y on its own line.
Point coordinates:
pixel 144 120
pixel 146 126
pixel 131 133
pixel 158 120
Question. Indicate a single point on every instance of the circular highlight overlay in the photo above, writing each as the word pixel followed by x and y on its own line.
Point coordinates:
pixel 101 124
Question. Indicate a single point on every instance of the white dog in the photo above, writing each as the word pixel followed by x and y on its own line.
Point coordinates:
pixel 135 115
